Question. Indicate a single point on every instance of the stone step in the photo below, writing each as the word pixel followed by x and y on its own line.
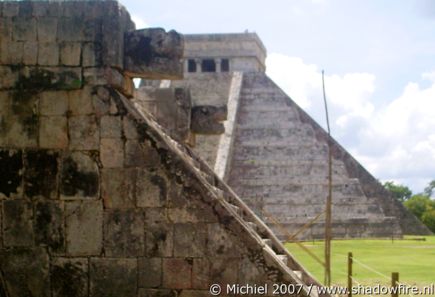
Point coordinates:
pixel 267 242
pixel 283 258
pixel 298 273
pixel 252 225
pixel 235 208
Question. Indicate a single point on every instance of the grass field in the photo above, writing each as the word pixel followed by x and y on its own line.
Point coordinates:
pixel 413 259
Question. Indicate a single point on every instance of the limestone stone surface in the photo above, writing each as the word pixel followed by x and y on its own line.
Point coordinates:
pixel 26 270
pixel 80 177
pixel 112 152
pixel 117 276
pixel 124 234
pixel 17 223
pixel 69 277
pixel 41 174
pixel 53 132
pixel 111 127
pixel 152 190
pixel 150 272
pixel 139 154
pixel 48 54
pixel 53 103
pixel 84 227
pixel 80 102
pixel 118 188
pixel 177 273
pixel 49 225
pixel 84 133
pixel 189 240
pixel 70 53
pixel 159 240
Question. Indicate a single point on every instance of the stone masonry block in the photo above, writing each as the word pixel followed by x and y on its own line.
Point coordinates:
pixel 47 28
pixel 201 273
pixel 250 272
pixel 140 154
pixel 10 9
pixel 112 152
pixel 26 271
pixel 159 240
pixel 111 127
pixel 30 54
pixel 80 102
pixel 49 225
pixel 70 53
pixel 113 277
pixel 189 240
pixel 48 54
pixel 177 273
pixel 46 9
pixel 155 216
pixel 124 234
pixel 79 177
pixel 14 52
pixel 91 55
pixel 69 277
pixel 25 9
pixel 8 78
pixel 53 103
pixel 118 188
pixel 129 127
pixel 17 223
pixel 84 133
pixel 224 270
pixel 84 227
pixel 102 102
pixel 11 183
pixel 220 243
pixel 70 29
pixel 40 176
pixel 20 131
pixel 53 132
pixel 150 272
pixel 151 189
pixel 24 29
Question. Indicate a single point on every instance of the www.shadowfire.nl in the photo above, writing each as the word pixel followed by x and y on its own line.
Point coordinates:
pixel 400 289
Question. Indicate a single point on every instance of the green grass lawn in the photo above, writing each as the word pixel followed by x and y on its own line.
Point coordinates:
pixel 414 260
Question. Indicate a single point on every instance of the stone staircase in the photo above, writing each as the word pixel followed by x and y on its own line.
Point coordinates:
pixel 280 168
pixel 272 248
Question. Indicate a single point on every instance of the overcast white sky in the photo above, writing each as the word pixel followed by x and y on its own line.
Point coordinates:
pixel 378 57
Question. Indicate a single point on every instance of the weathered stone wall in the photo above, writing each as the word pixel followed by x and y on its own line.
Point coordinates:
pixel 95 198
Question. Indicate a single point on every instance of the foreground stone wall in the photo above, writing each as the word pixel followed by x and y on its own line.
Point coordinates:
pixel 95 198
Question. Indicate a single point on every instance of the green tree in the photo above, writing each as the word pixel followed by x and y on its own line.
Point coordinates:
pixel 428 219
pixel 419 204
pixel 400 192
pixel 428 191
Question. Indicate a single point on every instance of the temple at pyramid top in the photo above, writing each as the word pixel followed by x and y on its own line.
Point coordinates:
pixel 223 53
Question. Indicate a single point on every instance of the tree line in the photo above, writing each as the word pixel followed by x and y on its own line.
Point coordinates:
pixel 420 204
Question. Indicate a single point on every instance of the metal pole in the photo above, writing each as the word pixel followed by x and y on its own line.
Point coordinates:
pixel 349 274
pixel 394 284
pixel 328 234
